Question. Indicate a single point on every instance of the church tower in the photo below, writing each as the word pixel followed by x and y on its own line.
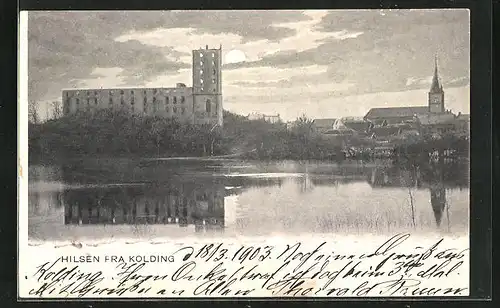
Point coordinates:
pixel 207 86
pixel 436 93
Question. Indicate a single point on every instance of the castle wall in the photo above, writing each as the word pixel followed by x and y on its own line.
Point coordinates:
pixel 167 102
pixel 200 104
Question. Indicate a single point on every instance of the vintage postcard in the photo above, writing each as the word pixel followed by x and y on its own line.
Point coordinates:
pixel 218 154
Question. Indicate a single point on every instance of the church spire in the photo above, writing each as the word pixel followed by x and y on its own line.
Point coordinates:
pixel 436 86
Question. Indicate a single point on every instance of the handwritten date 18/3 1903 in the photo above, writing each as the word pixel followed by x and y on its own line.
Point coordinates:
pixel 217 252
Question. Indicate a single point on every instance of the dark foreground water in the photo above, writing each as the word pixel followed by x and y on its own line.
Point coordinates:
pixel 174 198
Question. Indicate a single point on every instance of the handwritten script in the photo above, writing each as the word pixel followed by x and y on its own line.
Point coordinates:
pixel 396 266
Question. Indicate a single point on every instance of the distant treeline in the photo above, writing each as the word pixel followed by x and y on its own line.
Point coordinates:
pixel 449 146
pixel 118 134
pixel 107 133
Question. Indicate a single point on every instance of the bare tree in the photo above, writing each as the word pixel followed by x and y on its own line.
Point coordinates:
pixel 304 126
pixel 56 110
pixel 33 116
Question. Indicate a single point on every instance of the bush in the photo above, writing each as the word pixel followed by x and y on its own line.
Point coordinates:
pixel 115 134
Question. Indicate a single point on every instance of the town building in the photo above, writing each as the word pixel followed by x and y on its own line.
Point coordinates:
pixel 355 124
pixel 394 115
pixel 323 125
pixel 197 105
pixel 264 117
pixel 437 123
pixel 463 124
pixel 430 119
pixel 384 133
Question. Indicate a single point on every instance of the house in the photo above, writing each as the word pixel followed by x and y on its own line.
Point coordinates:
pixel 394 115
pixel 437 123
pixel 385 133
pixel 265 117
pixel 462 124
pixel 340 132
pixel 323 125
pixel 356 124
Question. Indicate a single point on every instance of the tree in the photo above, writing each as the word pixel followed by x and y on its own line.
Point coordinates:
pixel 33 113
pixel 156 131
pixel 56 110
pixel 304 125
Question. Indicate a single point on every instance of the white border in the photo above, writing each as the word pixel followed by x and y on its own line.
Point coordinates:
pixel 22 141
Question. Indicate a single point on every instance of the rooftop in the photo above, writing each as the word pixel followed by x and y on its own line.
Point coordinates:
pixel 352 119
pixel 385 131
pixel 396 112
pixel 177 87
pixel 324 122
pixel 436 118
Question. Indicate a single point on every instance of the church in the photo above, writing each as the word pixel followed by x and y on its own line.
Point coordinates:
pixel 395 115
pixel 433 118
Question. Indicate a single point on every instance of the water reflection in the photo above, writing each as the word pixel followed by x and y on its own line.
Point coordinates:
pixel 300 197
pixel 182 204
pixel 434 177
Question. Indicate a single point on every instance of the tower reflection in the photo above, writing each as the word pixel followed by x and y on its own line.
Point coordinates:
pixel 438 202
pixel 436 177
pixel 183 204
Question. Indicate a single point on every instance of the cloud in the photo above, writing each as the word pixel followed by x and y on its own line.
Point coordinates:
pixel 380 53
pixel 101 77
pixel 324 105
pixel 69 45
pixel 293 57
pixel 308 77
pixel 65 48
pixel 300 37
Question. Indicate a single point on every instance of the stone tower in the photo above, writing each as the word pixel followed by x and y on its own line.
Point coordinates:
pixel 207 86
pixel 436 93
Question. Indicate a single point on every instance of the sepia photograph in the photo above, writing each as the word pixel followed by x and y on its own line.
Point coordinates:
pixel 238 126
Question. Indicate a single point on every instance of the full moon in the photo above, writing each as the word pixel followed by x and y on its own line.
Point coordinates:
pixel 235 56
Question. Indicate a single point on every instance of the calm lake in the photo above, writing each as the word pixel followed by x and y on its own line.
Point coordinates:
pixel 121 198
